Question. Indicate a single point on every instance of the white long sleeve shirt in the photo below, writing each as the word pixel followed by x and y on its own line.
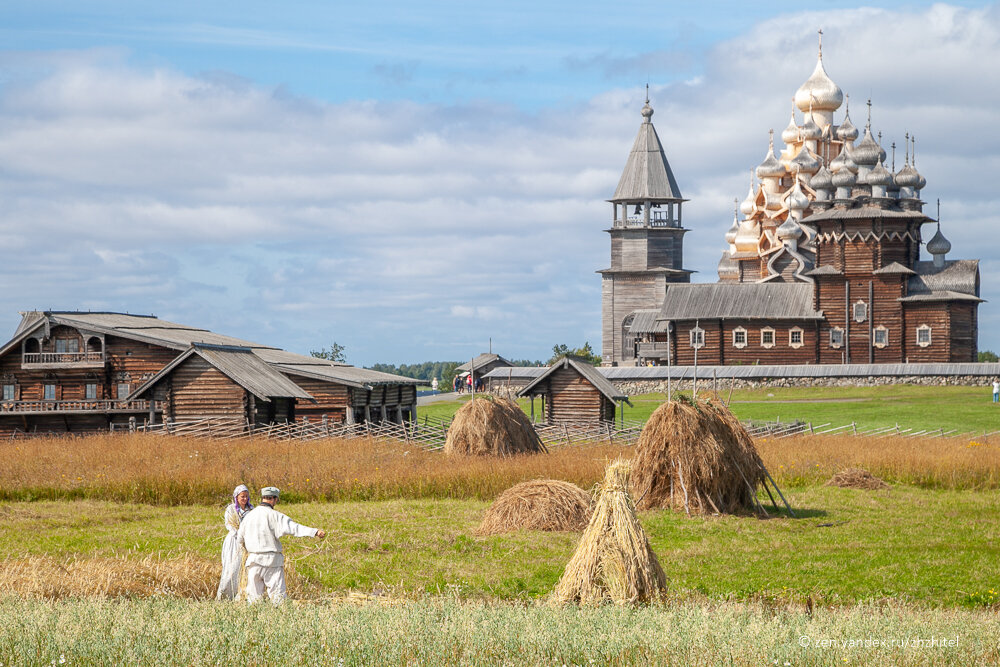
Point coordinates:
pixel 260 533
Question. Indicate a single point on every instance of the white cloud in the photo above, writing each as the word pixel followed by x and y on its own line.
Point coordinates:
pixel 399 228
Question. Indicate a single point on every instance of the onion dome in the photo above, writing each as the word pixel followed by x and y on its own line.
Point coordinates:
pixel 772 200
pixel 822 180
pixel 921 181
pixel 880 176
pixel 647 111
pixel 749 206
pixel 907 177
pixel 806 161
pixel 810 130
pixel 845 178
pixel 748 237
pixel 819 91
pixel 790 134
pixel 729 269
pixel 843 161
pixel 770 167
pixel 797 200
pixel 847 131
pixel 938 245
pixel 867 152
pixel 789 230
pixel 733 231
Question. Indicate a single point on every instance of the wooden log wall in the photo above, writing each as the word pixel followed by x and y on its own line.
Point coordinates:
pixel 935 315
pixel 331 399
pixel 964 333
pixel 199 391
pixel 719 349
pixel 571 398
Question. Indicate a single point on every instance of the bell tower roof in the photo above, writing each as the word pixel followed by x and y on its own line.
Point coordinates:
pixel 647 175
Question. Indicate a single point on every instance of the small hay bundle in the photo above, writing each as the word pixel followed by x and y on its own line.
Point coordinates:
pixel 613 561
pixel 541 504
pixel 857 478
pixel 492 427
pixel 696 457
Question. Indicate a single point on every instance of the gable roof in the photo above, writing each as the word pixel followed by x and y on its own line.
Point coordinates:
pixel 957 275
pixel 647 174
pixel 240 365
pixel 482 360
pixel 590 373
pixel 722 301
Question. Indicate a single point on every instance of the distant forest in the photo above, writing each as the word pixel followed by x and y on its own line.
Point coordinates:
pixel 444 371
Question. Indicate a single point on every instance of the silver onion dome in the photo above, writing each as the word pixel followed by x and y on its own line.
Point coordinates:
pixel 733 231
pixel 647 111
pixel 790 134
pixel 907 177
pixel 770 167
pixel 867 152
pixel 843 162
pixel 806 162
pixel 879 175
pixel 938 245
pixel 748 206
pixel 797 200
pixel 845 178
pixel 819 91
pixel 728 267
pixel 822 180
pixel 810 130
pixel 789 229
pixel 847 132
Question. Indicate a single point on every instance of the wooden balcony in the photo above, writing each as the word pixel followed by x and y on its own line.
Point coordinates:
pixel 638 222
pixel 78 407
pixel 653 350
pixel 46 360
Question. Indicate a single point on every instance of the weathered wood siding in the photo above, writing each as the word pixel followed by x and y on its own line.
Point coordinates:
pixel 332 399
pixel 964 333
pixel 572 399
pixel 936 316
pixel 199 391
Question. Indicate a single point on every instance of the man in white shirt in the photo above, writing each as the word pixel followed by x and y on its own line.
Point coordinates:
pixel 259 532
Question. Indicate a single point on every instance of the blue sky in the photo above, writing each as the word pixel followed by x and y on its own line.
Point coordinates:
pixel 411 179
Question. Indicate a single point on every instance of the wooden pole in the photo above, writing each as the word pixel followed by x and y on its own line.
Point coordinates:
pixel 472 378
pixel 669 369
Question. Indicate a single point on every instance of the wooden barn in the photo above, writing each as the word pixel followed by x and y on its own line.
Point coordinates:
pixel 82 371
pixel 572 391
pixel 483 364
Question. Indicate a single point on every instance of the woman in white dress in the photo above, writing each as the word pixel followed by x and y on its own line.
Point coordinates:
pixel 232 559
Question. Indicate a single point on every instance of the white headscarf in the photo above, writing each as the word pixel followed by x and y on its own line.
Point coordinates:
pixel 236 503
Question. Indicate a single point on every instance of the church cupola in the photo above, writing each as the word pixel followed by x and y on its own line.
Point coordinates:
pixel 820 93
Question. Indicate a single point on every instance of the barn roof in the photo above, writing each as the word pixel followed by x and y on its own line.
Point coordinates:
pixel 718 301
pixel 645 321
pixel 647 175
pixel 482 360
pixel 240 365
pixel 590 373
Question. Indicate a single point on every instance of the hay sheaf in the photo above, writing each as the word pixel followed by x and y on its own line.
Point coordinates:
pixel 540 504
pixel 492 427
pixel 696 457
pixel 614 561
pixel 857 478
pixel 186 577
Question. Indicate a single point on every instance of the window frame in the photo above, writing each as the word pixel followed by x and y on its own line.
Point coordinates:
pixel 774 337
pixel 840 343
pixel 696 338
pixel 13 391
pixel 46 387
pixel 863 306
pixel 737 333
pixel 791 337
pixel 924 328
pixel 86 391
pixel 118 390
pixel 884 331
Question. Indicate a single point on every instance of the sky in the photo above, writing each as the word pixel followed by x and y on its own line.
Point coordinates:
pixel 416 180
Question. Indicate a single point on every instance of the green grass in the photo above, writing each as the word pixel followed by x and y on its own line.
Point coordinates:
pixel 440 631
pixel 919 407
pixel 927 547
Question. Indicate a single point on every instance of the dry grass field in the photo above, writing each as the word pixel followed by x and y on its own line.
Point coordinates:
pixel 166 470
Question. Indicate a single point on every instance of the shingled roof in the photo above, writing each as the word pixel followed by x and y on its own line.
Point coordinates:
pixel 590 373
pixel 744 301
pixel 647 175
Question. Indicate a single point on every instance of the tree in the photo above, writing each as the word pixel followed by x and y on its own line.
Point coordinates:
pixel 585 353
pixel 988 357
pixel 335 353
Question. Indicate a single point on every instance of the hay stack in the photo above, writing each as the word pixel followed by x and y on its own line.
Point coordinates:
pixel 614 561
pixel 857 478
pixel 697 457
pixel 541 504
pixel 492 427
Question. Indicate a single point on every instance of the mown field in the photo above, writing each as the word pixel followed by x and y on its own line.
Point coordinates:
pixel 111 550
pixel 953 407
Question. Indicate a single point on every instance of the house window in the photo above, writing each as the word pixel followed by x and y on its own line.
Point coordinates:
pixel 836 337
pixel 697 336
pixel 795 337
pixel 860 311
pixel 767 337
pixel 739 337
pixel 923 335
pixel 49 392
pixel 123 390
pixel 881 337
pixel 10 392
pixel 90 391
pixel 67 345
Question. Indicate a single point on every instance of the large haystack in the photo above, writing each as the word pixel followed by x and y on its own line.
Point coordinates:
pixel 541 504
pixel 696 457
pixel 857 478
pixel 614 561
pixel 492 427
